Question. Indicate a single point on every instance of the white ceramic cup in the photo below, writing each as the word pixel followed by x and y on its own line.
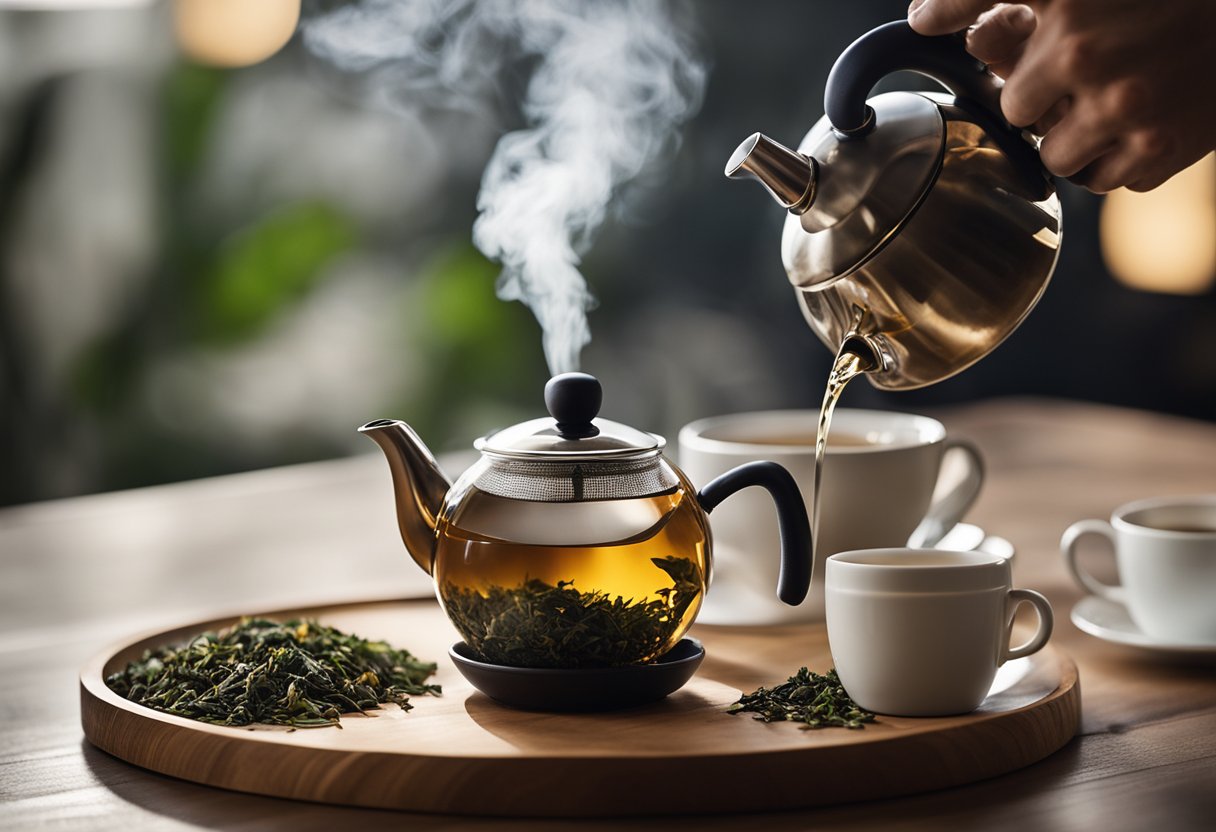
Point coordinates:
pixel 918 632
pixel 1165 550
pixel 878 494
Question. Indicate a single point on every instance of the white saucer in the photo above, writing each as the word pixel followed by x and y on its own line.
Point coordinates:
pixel 966 537
pixel 1109 621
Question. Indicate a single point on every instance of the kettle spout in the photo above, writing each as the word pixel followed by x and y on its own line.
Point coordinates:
pixel 419 485
pixel 786 174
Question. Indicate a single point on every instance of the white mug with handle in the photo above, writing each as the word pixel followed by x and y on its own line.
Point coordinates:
pixel 1165 551
pixel 889 479
pixel 918 632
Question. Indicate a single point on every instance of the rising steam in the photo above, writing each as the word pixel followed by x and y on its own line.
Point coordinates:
pixel 611 82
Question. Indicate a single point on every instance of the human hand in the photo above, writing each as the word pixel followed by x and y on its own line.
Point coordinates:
pixel 1122 91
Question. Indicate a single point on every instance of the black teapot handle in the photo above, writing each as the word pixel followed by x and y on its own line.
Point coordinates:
pixel 895 46
pixel 794 579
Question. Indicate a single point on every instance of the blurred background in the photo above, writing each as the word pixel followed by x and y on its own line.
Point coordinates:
pixel 220 252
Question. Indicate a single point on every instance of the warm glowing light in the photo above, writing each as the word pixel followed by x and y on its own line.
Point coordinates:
pixel 68 5
pixel 234 32
pixel 1164 240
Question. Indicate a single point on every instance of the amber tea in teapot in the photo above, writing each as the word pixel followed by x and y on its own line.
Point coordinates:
pixel 566 599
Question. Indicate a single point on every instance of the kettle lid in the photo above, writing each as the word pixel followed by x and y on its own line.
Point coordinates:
pixel 573 432
pixel 868 186
pixel 860 187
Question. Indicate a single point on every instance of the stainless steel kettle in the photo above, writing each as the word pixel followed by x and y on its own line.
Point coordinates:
pixel 927 212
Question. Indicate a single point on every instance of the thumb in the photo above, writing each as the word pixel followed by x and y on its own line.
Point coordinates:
pixel 941 17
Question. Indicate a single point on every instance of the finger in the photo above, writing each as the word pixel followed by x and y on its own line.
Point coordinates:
pixel 1033 88
pixel 1005 68
pixel 1157 170
pixel 1151 181
pixel 1075 142
pixel 1052 117
pixel 1113 169
pixel 1142 156
pixel 1000 34
pixel 941 17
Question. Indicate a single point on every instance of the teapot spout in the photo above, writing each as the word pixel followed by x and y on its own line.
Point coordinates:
pixel 786 174
pixel 420 486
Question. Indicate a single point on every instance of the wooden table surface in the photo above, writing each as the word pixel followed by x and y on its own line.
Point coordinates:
pixel 81 573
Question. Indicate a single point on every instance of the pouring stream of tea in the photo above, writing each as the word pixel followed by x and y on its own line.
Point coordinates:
pixel 848 364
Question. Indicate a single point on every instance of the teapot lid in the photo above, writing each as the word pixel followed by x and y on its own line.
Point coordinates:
pixel 573 432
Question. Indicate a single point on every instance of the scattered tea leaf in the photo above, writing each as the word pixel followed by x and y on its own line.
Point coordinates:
pixel 297 673
pixel 815 701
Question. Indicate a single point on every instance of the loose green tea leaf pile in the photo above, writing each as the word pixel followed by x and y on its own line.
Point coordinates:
pixel 537 624
pixel 815 701
pixel 296 673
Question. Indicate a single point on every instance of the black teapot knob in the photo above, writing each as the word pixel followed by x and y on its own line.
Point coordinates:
pixel 574 399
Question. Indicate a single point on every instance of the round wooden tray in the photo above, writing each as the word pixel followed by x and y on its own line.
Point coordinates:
pixel 464 754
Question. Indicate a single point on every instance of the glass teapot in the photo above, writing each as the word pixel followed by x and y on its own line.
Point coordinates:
pixel 927 213
pixel 573 542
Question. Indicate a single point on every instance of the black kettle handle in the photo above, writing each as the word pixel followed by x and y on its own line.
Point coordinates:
pixel 794 579
pixel 895 46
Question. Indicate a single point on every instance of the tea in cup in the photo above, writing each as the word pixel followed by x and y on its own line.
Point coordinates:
pixel 889 479
pixel 1165 551
pixel 916 632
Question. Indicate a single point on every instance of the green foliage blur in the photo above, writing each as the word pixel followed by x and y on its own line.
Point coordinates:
pixel 216 288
